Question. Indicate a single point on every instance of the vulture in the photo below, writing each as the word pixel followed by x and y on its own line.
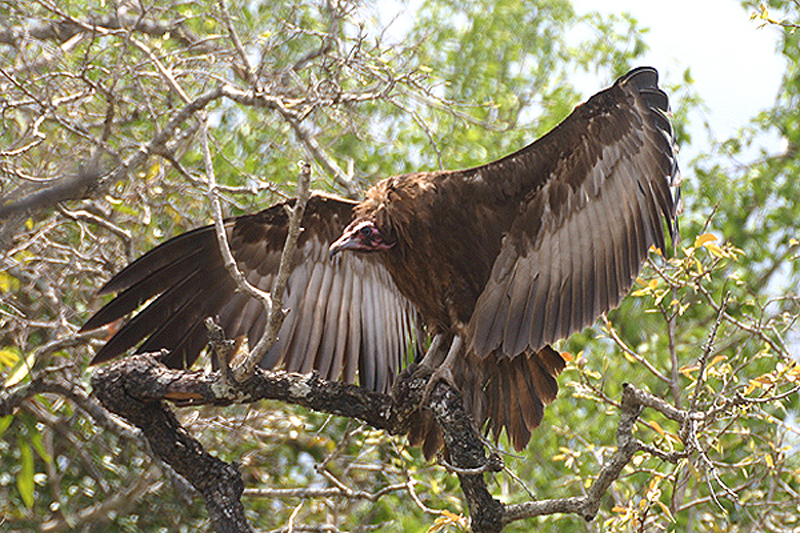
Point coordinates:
pixel 473 272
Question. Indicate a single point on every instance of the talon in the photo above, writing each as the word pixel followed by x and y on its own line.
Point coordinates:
pixel 444 371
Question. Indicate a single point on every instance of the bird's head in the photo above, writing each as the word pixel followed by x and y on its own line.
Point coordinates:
pixel 362 235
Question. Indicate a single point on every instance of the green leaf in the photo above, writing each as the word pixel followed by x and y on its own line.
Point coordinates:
pixel 5 422
pixel 38 445
pixel 25 476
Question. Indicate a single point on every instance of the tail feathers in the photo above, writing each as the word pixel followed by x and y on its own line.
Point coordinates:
pixel 425 432
pixel 500 393
pixel 516 392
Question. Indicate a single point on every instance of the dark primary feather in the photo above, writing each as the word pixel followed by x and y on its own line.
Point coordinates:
pixel 599 186
pixel 511 256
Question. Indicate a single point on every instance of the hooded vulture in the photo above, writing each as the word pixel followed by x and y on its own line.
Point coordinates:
pixel 488 266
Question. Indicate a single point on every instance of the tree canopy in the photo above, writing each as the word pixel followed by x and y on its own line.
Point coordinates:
pixel 104 107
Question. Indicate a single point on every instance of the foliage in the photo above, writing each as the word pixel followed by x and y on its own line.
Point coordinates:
pixel 87 88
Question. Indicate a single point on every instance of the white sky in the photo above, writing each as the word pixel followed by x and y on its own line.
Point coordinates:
pixel 735 63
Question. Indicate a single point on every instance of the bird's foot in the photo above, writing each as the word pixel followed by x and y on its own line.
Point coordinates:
pixel 407 395
pixel 443 373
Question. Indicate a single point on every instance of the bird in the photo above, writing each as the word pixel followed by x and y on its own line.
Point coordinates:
pixel 474 273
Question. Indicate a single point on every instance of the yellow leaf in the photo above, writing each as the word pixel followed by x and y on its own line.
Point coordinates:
pixel 660 297
pixel 451 515
pixel 793 242
pixel 687 370
pixel 153 171
pixel 768 460
pixel 619 509
pixel 703 239
pixel 699 266
pixel 717 359
pixel 716 251
pixel 8 283
pixel 448 518
pixel 437 525
pixel 765 379
pixel 9 356
pixel 666 510
pixel 21 371
pixel 650 286
pixel 657 427
pixel 566 356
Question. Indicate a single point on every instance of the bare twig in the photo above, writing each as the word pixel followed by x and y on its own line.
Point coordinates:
pixel 276 313
pixel 327 492
pixel 237 43
pixel 612 331
pixel 114 504
pixel 320 155
pixel 221 230
pixel 701 378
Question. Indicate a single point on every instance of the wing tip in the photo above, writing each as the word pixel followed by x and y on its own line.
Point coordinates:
pixel 640 77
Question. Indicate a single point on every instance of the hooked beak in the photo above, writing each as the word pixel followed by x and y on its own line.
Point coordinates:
pixel 346 242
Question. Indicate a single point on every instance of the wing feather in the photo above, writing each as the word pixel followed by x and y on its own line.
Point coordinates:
pixel 554 289
pixel 342 324
pixel 355 338
pixel 367 365
pixel 599 185
pixel 330 327
pixel 333 304
pixel 581 269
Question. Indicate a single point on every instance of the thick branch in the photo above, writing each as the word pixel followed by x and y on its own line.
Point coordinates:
pixel 137 387
pixel 466 450
pixel 220 483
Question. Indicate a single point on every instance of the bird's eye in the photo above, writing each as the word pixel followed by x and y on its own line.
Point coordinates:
pixel 365 231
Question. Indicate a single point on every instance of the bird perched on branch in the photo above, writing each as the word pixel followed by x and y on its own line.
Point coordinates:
pixel 481 269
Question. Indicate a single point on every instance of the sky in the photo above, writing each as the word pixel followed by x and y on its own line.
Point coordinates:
pixel 734 61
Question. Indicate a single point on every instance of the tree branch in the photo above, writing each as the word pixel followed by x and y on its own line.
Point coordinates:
pixel 138 387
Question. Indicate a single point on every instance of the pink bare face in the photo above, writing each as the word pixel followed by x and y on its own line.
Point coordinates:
pixel 361 236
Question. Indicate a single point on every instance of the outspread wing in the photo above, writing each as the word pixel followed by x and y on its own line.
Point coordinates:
pixel 346 316
pixel 600 184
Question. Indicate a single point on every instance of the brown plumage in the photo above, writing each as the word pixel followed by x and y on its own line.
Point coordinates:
pixel 507 257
